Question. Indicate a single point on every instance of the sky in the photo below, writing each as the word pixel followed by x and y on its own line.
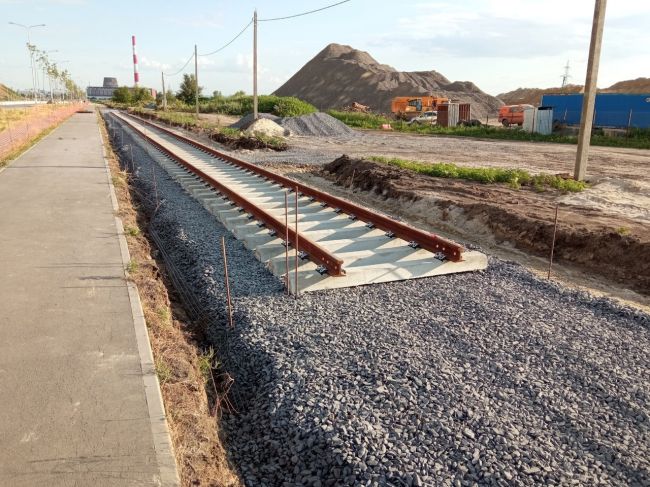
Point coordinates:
pixel 500 45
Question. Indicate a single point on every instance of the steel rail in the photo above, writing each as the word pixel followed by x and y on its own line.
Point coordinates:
pixel 314 251
pixel 420 238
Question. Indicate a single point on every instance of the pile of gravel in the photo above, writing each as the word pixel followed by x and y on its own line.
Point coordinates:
pixel 317 124
pixel 244 122
pixel 492 377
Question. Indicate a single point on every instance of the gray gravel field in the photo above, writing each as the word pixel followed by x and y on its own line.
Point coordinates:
pixel 485 378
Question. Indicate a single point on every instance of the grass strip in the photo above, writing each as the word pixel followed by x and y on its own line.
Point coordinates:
pixel 515 178
pixel 635 139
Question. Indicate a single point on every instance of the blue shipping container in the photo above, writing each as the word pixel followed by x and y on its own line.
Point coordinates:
pixel 611 110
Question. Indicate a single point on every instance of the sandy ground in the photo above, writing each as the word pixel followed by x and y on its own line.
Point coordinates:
pixel 620 178
pixel 609 222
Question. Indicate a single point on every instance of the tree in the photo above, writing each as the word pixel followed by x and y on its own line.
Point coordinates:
pixel 122 95
pixel 141 95
pixel 216 94
pixel 187 91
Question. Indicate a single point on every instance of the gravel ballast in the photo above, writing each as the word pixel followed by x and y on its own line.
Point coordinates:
pixel 489 378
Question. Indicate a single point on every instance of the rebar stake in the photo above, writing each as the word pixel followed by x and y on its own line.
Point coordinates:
pixel 225 270
pixel 296 275
pixel 287 279
pixel 550 263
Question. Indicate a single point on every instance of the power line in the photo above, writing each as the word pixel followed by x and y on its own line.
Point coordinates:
pixel 303 13
pixel 229 42
pixel 186 63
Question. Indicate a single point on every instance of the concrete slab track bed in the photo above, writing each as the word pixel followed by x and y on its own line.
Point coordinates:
pixel 79 398
pixel 341 245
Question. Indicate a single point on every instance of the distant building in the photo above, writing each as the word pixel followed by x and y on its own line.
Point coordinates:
pixel 104 92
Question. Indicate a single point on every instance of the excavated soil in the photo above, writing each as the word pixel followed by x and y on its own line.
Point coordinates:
pixel 608 245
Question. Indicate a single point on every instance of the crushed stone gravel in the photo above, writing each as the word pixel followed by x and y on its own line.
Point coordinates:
pixel 317 124
pixel 488 378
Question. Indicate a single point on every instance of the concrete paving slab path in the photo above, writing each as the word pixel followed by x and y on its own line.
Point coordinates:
pixel 79 399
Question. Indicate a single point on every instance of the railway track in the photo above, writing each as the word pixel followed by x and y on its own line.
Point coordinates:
pixel 333 242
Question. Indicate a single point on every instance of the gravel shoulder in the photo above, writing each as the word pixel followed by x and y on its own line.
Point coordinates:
pixel 494 377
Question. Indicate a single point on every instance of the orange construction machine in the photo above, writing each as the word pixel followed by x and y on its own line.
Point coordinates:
pixel 412 106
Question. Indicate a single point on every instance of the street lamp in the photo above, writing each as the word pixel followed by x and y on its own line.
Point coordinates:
pixel 31 54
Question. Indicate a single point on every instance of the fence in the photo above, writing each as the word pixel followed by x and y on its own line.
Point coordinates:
pixel 19 125
pixel 609 118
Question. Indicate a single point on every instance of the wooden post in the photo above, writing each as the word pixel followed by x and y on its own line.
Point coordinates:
pixel 589 98
pixel 162 75
pixel 196 80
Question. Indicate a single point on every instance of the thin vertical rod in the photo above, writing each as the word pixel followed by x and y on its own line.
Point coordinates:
pixel 296 248
pixel 255 65
pixel 162 75
pixel 225 270
pixel 196 80
pixel 550 262
pixel 287 279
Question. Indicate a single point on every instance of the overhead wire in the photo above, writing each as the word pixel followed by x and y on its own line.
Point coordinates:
pixel 229 42
pixel 303 13
pixel 184 65
pixel 246 28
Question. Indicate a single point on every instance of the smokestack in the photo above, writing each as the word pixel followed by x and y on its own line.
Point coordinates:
pixel 136 75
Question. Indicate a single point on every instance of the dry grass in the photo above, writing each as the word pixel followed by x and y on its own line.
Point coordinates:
pixel 180 363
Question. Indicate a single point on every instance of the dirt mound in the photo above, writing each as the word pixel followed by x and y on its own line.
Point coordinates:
pixel 533 96
pixel 317 124
pixel 523 217
pixel 639 85
pixel 7 93
pixel 340 75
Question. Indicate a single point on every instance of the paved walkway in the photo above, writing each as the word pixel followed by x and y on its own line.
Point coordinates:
pixel 79 401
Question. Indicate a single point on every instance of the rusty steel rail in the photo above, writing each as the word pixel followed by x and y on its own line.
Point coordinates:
pixel 314 251
pixel 419 238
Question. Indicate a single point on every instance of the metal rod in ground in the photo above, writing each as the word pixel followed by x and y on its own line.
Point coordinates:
pixel 550 262
pixel 296 249
pixel 286 242
pixel 225 271
pixel 155 186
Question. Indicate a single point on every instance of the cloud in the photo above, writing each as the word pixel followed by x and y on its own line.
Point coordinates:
pixel 515 30
pixel 152 63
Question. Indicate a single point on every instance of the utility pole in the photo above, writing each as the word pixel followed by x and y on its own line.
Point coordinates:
pixel 196 80
pixel 162 75
pixel 255 65
pixel 566 75
pixel 589 97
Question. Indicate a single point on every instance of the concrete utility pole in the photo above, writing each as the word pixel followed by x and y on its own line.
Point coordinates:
pixel 162 75
pixel 196 80
pixel 589 97
pixel 255 65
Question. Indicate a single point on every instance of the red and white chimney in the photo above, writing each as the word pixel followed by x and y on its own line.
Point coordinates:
pixel 136 75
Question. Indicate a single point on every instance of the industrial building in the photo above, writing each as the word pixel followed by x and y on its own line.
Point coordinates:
pixel 104 92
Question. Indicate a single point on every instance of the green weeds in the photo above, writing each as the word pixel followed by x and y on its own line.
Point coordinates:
pixel 515 178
